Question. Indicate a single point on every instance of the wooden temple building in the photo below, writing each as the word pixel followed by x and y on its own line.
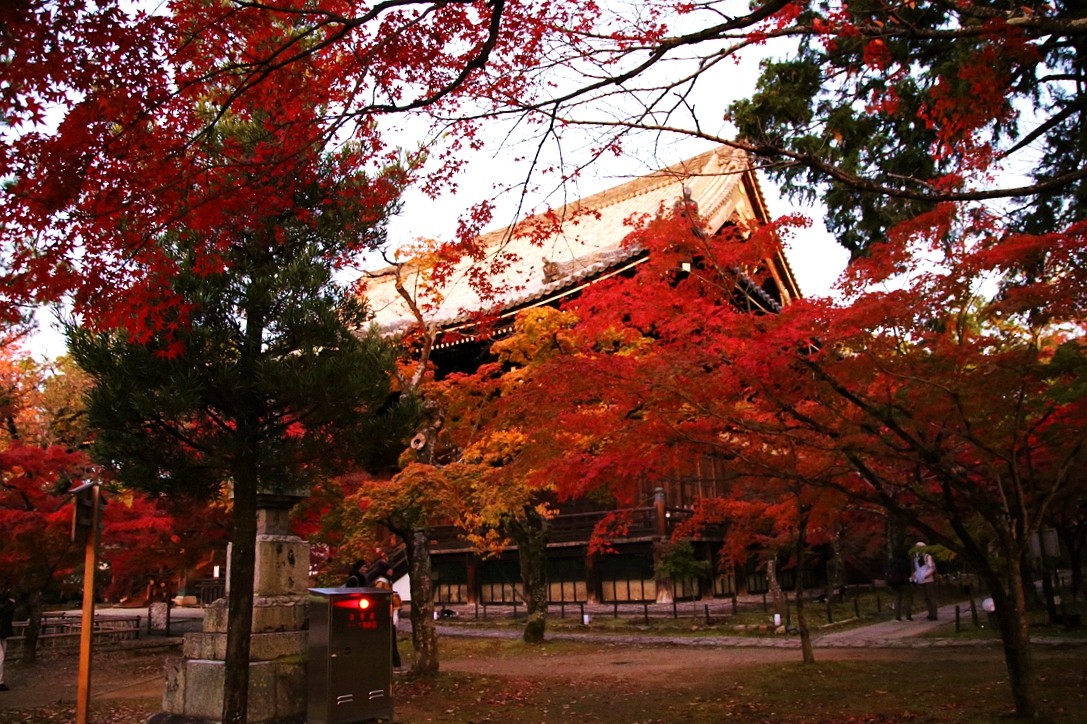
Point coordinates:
pixel 548 271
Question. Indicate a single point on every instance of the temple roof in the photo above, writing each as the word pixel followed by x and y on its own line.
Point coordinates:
pixel 583 240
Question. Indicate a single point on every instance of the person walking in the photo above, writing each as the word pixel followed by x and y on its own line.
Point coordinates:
pixel 395 602
pixel 381 567
pixel 924 575
pixel 7 630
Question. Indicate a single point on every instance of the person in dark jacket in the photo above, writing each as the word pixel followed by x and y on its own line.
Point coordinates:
pixel 898 580
pixel 357 577
pixel 7 620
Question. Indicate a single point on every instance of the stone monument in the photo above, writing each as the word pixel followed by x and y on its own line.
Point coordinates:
pixel 277 664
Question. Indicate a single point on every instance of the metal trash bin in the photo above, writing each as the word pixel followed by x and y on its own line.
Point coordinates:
pixel 350 656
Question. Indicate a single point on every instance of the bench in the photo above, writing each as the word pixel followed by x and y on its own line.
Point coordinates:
pixel 60 629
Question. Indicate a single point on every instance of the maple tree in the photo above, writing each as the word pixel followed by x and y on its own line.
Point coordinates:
pixel 42 454
pixel 408 505
pixel 149 537
pixel 104 102
pixel 944 389
pixel 35 468
pixel 487 461
pixel 778 507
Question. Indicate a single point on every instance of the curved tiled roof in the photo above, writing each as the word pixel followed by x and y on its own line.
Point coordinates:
pixel 583 240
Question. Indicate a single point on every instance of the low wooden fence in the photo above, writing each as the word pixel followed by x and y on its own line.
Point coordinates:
pixel 852 602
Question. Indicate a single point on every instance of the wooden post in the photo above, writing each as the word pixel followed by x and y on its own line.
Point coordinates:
pixel 86 634
pixel 662 518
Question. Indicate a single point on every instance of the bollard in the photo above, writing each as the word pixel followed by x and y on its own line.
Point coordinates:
pixel 675 612
pixel 856 608
pixel 830 613
pixel 615 611
pixel 958 626
pixel 476 615
pixel 974 614
pixel 734 604
pixel 645 612
pixel 562 610
pixel 707 607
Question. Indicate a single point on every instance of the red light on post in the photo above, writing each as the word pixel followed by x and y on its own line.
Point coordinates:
pixel 364 603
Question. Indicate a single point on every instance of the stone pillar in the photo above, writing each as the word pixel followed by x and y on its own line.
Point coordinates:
pixel 277 664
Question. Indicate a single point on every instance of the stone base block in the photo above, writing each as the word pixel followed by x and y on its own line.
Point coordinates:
pixel 194 690
pixel 262 646
pixel 270 613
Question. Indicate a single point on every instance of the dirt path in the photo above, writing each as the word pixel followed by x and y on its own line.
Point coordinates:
pixel 55 675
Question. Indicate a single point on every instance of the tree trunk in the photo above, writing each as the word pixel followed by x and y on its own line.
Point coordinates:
pixel 835 571
pixel 806 649
pixel 594 588
pixel 772 582
pixel 33 626
pixel 1011 610
pixel 240 599
pixel 665 587
pixel 424 635
pixel 530 535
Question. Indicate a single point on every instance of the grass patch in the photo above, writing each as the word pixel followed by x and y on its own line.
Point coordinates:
pixel 903 686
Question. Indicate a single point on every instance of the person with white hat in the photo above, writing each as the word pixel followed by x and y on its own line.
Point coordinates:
pixel 924 575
